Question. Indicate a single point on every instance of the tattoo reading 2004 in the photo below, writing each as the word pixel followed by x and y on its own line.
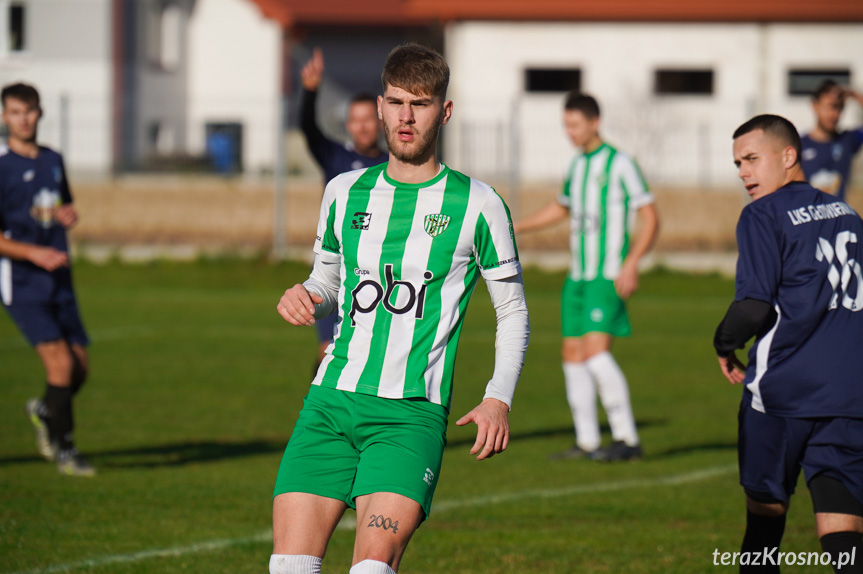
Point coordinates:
pixel 772 557
pixel 381 521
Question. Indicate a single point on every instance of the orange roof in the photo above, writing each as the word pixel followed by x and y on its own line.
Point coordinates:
pixel 412 12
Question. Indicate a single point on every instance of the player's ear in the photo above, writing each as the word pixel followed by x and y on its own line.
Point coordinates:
pixel 447 112
pixel 789 157
pixel 380 113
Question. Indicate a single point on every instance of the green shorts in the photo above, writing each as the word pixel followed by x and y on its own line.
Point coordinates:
pixel 592 307
pixel 349 444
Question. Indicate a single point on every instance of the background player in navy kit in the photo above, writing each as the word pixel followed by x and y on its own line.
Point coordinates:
pixel 799 291
pixel 334 157
pixel 827 152
pixel 35 277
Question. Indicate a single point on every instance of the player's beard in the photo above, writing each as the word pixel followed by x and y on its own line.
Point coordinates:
pixel 415 151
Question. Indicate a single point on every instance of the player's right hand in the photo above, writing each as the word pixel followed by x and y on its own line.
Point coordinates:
pixel 313 71
pixel 732 368
pixel 48 258
pixel 297 305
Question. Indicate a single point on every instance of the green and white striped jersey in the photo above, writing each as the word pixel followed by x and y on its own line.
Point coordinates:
pixel 410 256
pixel 603 190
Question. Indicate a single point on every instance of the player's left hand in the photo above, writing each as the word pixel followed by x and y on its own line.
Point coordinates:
pixel 66 215
pixel 627 281
pixel 491 417
pixel 732 368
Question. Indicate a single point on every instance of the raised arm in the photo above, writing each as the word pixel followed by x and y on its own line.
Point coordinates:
pixel 849 93
pixel 311 76
pixel 513 330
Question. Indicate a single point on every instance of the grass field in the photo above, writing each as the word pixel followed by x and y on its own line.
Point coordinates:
pixel 196 384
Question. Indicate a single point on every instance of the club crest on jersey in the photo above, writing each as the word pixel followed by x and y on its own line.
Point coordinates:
pixel 44 204
pixel 398 297
pixel 361 221
pixel 436 223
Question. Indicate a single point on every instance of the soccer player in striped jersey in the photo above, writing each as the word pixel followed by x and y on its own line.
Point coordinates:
pixel 602 195
pixel 399 249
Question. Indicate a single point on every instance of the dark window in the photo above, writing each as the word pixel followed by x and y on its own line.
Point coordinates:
pixel 552 79
pixel 805 82
pixel 16 28
pixel 683 82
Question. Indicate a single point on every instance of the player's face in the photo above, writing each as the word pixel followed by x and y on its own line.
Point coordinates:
pixel 363 125
pixel 762 163
pixel 828 109
pixel 580 129
pixel 412 123
pixel 21 118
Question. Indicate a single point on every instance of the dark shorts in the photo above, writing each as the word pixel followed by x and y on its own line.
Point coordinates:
pixel 771 451
pixel 43 323
pixel 326 327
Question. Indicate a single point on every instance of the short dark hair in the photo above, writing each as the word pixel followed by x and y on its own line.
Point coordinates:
pixel 825 87
pixel 577 101
pixel 776 126
pixel 363 98
pixel 417 69
pixel 23 92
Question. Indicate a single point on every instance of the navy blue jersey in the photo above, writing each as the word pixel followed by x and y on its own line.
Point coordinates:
pixel 30 190
pixel 801 250
pixel 827 165
pixel 333 157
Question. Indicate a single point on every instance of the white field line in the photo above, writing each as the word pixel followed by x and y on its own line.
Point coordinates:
pixel 349 523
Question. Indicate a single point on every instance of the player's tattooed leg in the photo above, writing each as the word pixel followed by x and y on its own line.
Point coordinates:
pixel 383 522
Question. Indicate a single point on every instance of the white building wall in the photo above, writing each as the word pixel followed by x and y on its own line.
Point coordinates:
pixel 796 46
pixel 234 76
pixel 67 56
pixel 678 140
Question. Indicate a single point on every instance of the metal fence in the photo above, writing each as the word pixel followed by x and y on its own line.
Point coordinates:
pixel 677 142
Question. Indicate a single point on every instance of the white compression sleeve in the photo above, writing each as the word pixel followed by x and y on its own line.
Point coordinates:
pixel 513 329
pixel 324 281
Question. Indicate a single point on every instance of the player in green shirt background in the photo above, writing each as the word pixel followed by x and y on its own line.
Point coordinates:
pixel 603 193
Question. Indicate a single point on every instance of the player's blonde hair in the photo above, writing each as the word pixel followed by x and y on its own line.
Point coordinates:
pixel 417 69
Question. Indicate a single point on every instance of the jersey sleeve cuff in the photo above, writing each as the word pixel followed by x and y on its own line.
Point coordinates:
pixel 327 256
pixel 502 272
pixel 491 394
pixel 741 295
pixel 641 201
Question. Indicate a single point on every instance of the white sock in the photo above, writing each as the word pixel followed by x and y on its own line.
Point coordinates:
pixel 581 394
pixel 371 567
pixel 294 564
pixel 614 394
